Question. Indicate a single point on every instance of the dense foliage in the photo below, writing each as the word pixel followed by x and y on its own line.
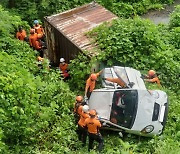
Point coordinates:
pixel 36 105
pixel 138 43
pixel 33 9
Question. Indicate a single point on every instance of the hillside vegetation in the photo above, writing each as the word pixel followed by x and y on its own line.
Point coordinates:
pixel 33 9
pixel 36 105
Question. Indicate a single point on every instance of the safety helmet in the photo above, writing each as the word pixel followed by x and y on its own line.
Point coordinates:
pixel 79 98
pixel 36 21
pixel 62 60
pixel 92 112
pixel 151 73
pixel 32 31
pixel 85 108
pixel 93 76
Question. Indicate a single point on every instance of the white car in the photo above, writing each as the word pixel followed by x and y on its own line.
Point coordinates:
pixel 133 110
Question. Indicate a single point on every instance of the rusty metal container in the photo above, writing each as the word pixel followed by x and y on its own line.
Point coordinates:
pixel 65 32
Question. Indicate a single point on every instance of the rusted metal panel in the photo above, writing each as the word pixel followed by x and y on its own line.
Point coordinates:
pixel 50 40
pixel 69 30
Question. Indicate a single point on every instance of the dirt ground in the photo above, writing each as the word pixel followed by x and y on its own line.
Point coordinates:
pixel 161 16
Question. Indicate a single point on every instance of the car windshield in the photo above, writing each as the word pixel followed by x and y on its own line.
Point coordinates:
pixel 121 73
pixel 124 107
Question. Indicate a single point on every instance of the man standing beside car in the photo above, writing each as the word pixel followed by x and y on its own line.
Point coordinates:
pixel 91 83
pixel 82 132
pixel 93 125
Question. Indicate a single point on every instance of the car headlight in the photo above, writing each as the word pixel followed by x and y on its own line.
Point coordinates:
pixel 148 129
pixel 155 94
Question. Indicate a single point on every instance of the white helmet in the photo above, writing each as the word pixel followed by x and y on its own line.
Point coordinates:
pixel 62 60
pixel 85 108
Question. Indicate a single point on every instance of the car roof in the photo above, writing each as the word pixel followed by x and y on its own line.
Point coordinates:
pixel 135 76
pixel 128 75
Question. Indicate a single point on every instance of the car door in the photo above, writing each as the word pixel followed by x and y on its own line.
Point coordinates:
pixel 101 101
pixel 124 107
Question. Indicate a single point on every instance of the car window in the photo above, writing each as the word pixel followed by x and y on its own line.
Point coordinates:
pixel 121 73
pixel 108 74
pixel 124 107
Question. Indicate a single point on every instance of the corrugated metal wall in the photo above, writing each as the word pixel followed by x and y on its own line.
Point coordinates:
pixel 50 40
pixel 65 31
pixel 59 45
pixel 64 47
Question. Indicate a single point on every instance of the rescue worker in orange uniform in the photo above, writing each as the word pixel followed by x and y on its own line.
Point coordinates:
pixel 91 83
pixel 33 38
pixel 39 47
pixel 93 125
pixel 152 77
pixel 64 68
pixel 21 34
pixel 78 107
pixel 38 29
pixel 82 132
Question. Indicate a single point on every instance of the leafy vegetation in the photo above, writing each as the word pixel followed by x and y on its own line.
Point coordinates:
pixel 33 9
pixel 141 44
pixel 137 43
pixel 36 105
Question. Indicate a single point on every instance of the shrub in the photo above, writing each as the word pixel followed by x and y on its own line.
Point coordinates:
pixel 175 18
pixel 138 44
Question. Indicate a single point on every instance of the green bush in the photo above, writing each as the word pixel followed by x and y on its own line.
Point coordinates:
pixel 175 37
pixel 36 105
pixel 32 108
pixel 30 10
pixel 175 18
pixel 137 43
pixel 10 23
pixel 79 71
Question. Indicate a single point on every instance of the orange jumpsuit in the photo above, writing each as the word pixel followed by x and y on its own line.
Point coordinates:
pixel 38 45
pixel 39 30
pixel 117 80
pixel 83 117
pixel 82 133
pixel 63 68
pixel 91 84
pixel 154 80
pixel 78 109
pixel 32 39
pixel 21 35
pixel 93 126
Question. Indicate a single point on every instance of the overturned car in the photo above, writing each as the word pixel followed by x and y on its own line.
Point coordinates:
pixel 133 110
